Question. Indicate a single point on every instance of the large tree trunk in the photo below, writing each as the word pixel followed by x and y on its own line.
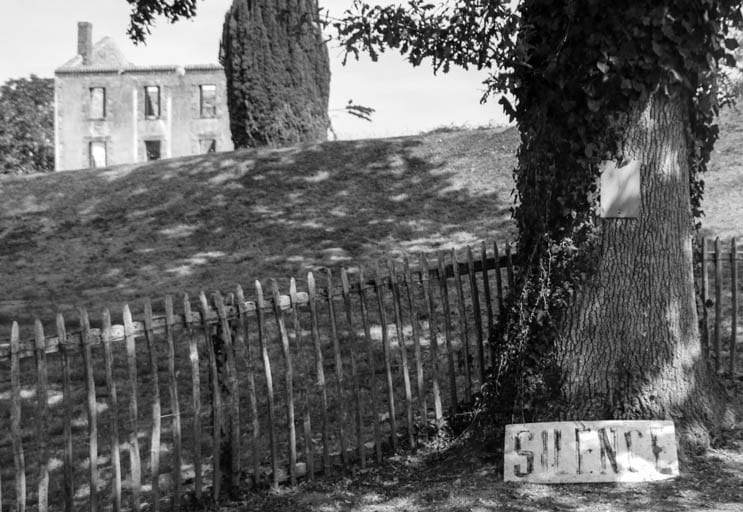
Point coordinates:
pixel 629 345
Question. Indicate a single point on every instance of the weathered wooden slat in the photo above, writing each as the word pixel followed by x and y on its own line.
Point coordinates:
pixel 263 345
pixel 488 301
pixel 289 376
pixel 509 266
pixel 85 349
pixel 477 314
pixel 309 452
pixel 705 300
pixel 414 322
pixel 135 463
pixel 354 349
pixel 718 302
pixel 434 342
pixel 175 407
pixel 444 293
pixel 499 286
pixel 371 366
pixel 156 429
pixel 378 287
pixel 320 372
pixel 113 404
pixel 68 486
pixel 397 306
pixel 734 305
pixel 339 375
pixel 464 335
pixel 16 432
pixel 42 418
pixel 216 399
pixel 243 345
pixel 193 352
pixel 234 393
pixel 243 351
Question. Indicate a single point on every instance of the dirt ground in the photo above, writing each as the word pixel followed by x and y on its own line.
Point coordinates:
pixel 464 478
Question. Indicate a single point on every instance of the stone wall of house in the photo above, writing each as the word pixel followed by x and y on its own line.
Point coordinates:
pixel 181 128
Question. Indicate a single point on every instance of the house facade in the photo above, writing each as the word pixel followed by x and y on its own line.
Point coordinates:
pixel 109 111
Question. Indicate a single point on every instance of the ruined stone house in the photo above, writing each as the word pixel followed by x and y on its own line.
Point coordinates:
pixel 109 111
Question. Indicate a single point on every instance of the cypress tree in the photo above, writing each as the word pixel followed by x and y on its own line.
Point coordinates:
pixel 278 74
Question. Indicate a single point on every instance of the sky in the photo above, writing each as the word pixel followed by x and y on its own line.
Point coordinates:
pixel 37 36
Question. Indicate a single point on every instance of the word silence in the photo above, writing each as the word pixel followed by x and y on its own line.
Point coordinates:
pixel 590 451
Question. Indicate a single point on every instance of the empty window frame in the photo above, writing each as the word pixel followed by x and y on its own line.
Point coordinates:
pixel 208 100
pixel 97 102
pixel 152 101
pixel 152 149
pixel 97 154
pixel 208 145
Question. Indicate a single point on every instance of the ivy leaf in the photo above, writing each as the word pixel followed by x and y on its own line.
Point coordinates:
pixel 593 105
pixel 603 67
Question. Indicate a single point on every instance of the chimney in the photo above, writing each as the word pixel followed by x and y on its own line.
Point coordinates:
pixel 85 41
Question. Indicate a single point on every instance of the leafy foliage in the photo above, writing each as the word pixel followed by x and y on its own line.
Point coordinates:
pixel 278 74
pixel 27 125
pixel 144 13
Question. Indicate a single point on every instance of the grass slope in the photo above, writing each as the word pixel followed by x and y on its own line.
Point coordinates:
pixel 98 238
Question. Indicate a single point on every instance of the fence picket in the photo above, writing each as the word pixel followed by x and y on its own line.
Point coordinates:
pixel 498 286
pixel 339 376
pixel 135 463
pixel 233 394
pixel 354 347
pixel 387 358
pixel 216 399
pixel 371 366
pixel 320 372
pixel 175 407
pixel 509 267
pixel 476 313
pixel 68 487
pixel 309 453
pixel 734 304
pixel 114 407
pixel 419 379
pixel 397 306
pixel 263 344
pixel 42 416
pixel 92 409
pixel 718 302
pixel 444 288
pixel 289 375
pixel 488 299
pixel 434 343
pixel 463 328
pixel 149 336
pixel 16 432
pixel 193 352
pixel 705 299
pixel 244 351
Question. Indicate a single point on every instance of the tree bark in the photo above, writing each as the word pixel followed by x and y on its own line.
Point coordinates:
pixel 628 345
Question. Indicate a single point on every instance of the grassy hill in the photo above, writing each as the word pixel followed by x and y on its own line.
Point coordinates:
pixel 100 238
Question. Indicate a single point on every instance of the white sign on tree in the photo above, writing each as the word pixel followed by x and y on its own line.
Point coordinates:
pixel 590 451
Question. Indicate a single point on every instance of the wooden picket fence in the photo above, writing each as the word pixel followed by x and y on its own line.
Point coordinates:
pixel 277 388
pixel 229 392
pixel 717 273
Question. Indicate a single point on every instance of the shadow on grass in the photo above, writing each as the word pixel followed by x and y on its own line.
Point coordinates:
pixel 102 238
